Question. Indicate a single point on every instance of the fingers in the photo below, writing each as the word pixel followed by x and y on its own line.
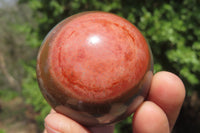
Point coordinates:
pixel 159 114
pixel 150 118
pixel 57 123
pixel 168 92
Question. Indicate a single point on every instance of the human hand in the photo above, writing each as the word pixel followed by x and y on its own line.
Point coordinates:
pixel 156 115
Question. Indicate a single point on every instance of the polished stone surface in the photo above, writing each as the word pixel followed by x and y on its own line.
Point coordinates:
pixel 95 67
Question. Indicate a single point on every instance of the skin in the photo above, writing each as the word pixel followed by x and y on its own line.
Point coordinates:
pixel 156 115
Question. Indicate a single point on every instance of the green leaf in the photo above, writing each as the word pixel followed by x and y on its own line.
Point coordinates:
pixel 189 76
pixel 35 4
pixel 196 45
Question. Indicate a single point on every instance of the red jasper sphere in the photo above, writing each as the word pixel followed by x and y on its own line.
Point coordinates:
pixel 95 67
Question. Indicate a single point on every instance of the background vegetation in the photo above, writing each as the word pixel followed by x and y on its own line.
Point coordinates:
pixel 172 29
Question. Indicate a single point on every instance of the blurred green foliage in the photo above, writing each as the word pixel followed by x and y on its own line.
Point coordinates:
pixel 2 131
pixel 32 94
pixel 172 29
pixel 8 94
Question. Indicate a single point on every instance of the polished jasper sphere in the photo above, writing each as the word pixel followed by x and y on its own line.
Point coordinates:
pixel 95 67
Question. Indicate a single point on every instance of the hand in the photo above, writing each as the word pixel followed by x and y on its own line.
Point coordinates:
pixel 156 115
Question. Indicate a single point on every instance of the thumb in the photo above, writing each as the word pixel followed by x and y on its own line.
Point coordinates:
pixel 58 123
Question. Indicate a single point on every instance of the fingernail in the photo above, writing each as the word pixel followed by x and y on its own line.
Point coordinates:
pixel 50 130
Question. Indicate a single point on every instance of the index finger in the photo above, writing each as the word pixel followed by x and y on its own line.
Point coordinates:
pixel 168 92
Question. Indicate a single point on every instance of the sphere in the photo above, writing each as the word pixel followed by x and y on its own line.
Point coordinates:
pixel 95 67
